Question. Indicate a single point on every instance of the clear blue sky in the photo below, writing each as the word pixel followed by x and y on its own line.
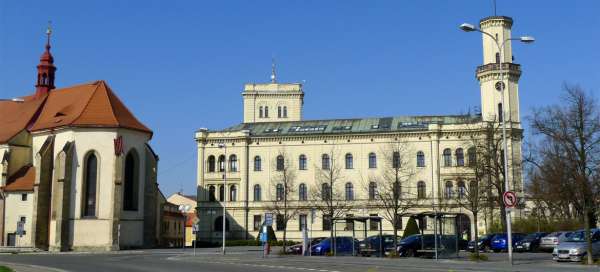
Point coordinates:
pixel 181 65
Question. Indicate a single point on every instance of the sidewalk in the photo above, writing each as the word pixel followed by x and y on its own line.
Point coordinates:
pixel 29 268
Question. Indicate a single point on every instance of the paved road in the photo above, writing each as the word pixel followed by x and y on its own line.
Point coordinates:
pixel 248 259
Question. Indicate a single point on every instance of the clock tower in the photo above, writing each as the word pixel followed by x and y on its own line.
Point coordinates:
pixel 495 64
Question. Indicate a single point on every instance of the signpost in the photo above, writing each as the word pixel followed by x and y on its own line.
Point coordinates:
pixel 510 201
pixel 269 219
pixel 195 229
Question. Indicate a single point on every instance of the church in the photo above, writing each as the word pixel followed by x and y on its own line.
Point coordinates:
pixel 78 172
pixel 241 167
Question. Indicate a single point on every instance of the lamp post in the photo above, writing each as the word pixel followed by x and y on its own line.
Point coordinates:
pixel 500 44
pixel 222 145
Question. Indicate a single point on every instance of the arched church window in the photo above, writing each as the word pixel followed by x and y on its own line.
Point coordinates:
pixel 90 183
pixel 131 184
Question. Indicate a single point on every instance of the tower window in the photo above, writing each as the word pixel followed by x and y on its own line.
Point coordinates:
pixel 284 112
pixel 279 112
pixel 211 163
pixel 89 189
pixel 260 112
pixel 266 111
pixel 500 118
pixel 498 58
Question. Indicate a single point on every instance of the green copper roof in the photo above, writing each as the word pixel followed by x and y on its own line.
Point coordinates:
pixel 365 125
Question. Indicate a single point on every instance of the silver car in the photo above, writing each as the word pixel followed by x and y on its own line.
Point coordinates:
pixel 574 249
pixel 550 241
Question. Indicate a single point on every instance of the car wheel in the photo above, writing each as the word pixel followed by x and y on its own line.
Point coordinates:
pixel 496 250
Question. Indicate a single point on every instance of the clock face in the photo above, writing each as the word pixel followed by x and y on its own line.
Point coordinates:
pixel 500 86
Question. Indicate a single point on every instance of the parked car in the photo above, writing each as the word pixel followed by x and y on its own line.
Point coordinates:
pixel 343 246
pixel 484 243
pixel 417 245
pixel 297 248
pixel 574 248
pixel 550 241
pixel 371 245
pixel 531 242
pixel 499 242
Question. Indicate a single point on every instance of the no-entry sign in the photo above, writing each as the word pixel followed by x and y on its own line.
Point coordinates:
pixel 510 199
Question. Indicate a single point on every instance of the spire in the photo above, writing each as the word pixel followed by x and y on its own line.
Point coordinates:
pixel 45 69
pixel 273 76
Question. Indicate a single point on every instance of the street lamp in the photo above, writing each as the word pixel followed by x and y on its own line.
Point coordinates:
pixel 222 145
pixel 524 39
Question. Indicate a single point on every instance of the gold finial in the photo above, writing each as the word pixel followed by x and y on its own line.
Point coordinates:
pixel 273 77
pixel 48 33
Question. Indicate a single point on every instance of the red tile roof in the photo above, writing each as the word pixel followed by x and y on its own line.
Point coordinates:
pixel 22 180
pixel 86 105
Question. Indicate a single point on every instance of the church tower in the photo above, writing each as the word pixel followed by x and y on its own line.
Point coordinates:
pixel 488 74
pixel 272 102
pixel 45 70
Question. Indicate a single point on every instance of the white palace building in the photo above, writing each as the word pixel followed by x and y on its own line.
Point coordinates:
pixel 241 166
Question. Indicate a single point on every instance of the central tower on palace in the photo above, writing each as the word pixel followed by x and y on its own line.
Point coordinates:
pixel 488 74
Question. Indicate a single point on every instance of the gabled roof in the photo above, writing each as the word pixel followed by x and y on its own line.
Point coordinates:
pixel 87 105
pixel 16 115
pixel 22 180
pixel 362 125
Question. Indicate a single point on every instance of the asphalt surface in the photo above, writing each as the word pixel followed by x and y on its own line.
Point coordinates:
pixel 244 259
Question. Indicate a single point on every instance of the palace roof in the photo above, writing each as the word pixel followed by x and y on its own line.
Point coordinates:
pixel 345 126
pixel 92 105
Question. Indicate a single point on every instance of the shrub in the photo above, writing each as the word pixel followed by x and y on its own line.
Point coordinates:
pixel 5 269
pixel 411 228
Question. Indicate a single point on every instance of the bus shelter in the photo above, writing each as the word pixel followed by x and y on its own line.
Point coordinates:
pixel 360 219
pixel 446 240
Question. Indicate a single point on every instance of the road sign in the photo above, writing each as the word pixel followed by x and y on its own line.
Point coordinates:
pixel 510 199
pixel 195 228
pixel 269 219
pixel 20 228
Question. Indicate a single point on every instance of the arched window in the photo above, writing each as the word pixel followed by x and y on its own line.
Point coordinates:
pixel 472 153
pixel 219 224
pixel 349 161
pixel 221 193
pixel 232 193
pixel 460 157
pixel 266 111
pixel 211 163
pixel 396 163
pixel 349 191
pixel 90 184
pixel 131 183
pixel 421 193
pixel 279 112
pixel 372 160
pixel 257 164
pixel 372 190
pixel 448 190
pixel 233 163
pixel 498 58
pixel 461 189
pixel 279 193
pixel 284 111
pixel 260 112
pixel 325 191
pixel 420 159
pixel 257 194
pixel 447 157
pixel 222 163
pixel 280 163
pixel 325 163
pixel 302 192
pixel 302 162
pixel 500 111
pixel 211 193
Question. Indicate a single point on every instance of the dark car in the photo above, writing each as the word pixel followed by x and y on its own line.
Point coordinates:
pixel 531 242
pixel 485 242
pixel 420 245
pixel 499 242
pixel 371 245
pixel 343 246
pixel 297 248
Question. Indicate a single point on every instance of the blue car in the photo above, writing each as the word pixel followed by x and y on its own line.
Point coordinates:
pixel 499 241
pixel 343 246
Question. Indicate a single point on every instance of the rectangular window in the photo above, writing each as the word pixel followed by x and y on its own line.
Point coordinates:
pixel 302 219
pixel 326 222
pixel 257 222
pixel 349 223
pixel 280 222
pixel 423 223
pixel 373 224
pixel 23 197
pixel 398 223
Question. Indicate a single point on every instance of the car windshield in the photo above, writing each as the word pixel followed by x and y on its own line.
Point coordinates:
pixel 578 236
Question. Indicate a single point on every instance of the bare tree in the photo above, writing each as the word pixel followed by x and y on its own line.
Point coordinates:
pixel 327 193
pixel 573 130
pixel 390 188
pixel 284 183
